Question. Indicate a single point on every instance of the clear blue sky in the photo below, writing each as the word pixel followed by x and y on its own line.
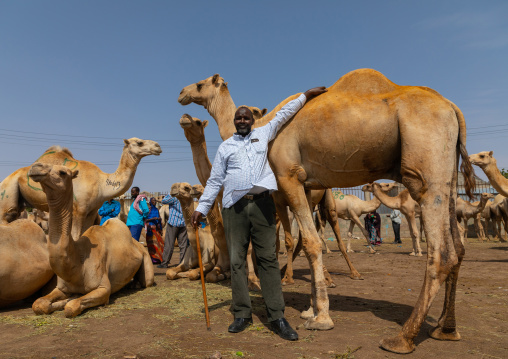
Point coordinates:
pixel 108 70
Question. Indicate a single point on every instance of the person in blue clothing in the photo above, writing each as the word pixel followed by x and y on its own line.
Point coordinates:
pixel 109 209
pixel 175 228
pixel 137 213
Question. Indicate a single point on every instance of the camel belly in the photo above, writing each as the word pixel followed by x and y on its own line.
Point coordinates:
pixel 342 145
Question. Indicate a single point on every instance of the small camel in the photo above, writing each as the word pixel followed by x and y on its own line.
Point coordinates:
pixel 486 161
pixel 409 208
pixel 95 265
pixel 499 214
pixel 323 146
pixel 466 210
pixel 91 189
pixel 189 267
pixel 24 261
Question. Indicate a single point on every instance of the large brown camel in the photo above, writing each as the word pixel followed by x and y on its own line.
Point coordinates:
pixel 329 143
pixel 213 94
pixel 189 267
pixel 24 260
pixel 91 189
pixel 93 266
pixel 466 210
pixel 409 208
pixel 486 161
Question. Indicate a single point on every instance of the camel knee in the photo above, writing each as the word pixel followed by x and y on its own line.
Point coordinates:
pixel 172 274
pixel 42 306
pixel 73 308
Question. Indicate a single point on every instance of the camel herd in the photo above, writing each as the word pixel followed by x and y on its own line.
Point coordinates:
pixel 365 128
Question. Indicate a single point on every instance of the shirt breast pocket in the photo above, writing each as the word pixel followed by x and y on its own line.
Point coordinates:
pixel 259 146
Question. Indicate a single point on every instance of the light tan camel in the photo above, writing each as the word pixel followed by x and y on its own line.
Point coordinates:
pixel 24 261
pixel 409 208
pixel 483 219
pixel 124 209
pixel 350 207
pixel 499 214
pixel 213 94
pixel 189 267
pixel 486 161
pixel 95 265
pixel 324 146
pixel 91 189
pixel 466 210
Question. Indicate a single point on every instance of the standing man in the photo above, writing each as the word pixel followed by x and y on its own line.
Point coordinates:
pixel 396 218
pixel 242 168
pixel 175 228
pixel 137 213
pixel 109 209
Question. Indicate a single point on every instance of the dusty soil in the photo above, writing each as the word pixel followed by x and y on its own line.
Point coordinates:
pixel 167 321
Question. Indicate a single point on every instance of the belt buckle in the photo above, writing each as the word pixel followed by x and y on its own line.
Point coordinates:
pixel 249 197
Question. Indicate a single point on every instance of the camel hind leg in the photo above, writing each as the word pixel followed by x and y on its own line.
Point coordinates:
pixel 144 276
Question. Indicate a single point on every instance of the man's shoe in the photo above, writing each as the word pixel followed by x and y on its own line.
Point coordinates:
pixel 239 325
pixel 162 266
pixel 283 329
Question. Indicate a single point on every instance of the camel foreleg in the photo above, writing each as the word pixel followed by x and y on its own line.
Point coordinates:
pixel 415 235
pixel 95 298
pixel 356 220
pixel 55 300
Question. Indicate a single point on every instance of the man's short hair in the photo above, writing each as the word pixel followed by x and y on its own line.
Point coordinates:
pixel 136 188
pixel 245 107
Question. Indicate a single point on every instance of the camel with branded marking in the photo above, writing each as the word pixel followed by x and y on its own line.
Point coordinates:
pixel 408 207
pixel 24 261
pixel 189 267
pixel 93 266
pixel 213 94
pixel 328 144
pixel 91 189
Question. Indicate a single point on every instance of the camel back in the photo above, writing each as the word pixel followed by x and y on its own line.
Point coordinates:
pixel 364 82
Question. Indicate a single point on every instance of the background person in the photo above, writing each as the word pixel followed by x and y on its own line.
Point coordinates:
pixel 396 218
pixel 109 209
pixel 137 213
pixel 154 241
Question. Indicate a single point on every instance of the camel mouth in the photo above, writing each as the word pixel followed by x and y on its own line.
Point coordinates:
pixel 185 121
pixel 184 100
pixel 36 177
pixel 173 193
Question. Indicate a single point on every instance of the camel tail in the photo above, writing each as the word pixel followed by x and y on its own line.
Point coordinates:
pixel 465 167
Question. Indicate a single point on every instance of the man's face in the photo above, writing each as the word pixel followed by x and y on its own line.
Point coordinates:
pixel 134 192
pixel 243 121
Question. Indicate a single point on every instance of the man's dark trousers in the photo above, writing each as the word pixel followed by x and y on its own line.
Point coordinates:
pixel 172 233
pixel 396 231
pixel 253 220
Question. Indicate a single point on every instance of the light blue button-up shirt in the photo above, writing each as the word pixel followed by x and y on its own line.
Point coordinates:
pixel 241 162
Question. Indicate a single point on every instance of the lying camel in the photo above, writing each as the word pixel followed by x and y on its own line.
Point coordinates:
pixel 408 207
pixel 323 146
pixel 189 267
pixel 466 210
pixel 91 189
pixel 95 265
pixel 24 261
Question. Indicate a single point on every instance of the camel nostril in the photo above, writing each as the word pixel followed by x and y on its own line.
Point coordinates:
pixel 181 92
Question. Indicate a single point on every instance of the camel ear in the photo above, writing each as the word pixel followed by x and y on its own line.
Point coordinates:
pixel 264 111
pixel 75 174
pixel 215 78
pixel 225 84
pixel 125 141
pixel 205 123
pixel 491 153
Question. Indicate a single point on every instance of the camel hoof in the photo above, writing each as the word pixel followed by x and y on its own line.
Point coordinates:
pixel 307 314
pixel 438 334
pixel 350 251
pixel 330 284
pixel 41 306
pixel 356 276
pixel 412 253
pixel 287 281
pixel 397 345
pixel 171 274
pixel 255 286
pixel 72 309
pixel 419 254
pixel 317 323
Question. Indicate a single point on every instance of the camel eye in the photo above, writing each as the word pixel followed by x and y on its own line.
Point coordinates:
pixel 198 123
pixel 199 86
pixel 62 173
pixel 140 143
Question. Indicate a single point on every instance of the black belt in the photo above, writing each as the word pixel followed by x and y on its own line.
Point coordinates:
pixel 253 197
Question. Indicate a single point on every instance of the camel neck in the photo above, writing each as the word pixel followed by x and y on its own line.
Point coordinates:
pixel 390 202
pixel 372 204
pixel 222 108
pixel 201 161
pixel 60 243
pixel 117 183
pixel 497 180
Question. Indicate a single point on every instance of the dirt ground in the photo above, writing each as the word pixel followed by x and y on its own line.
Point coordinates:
pixel 167 321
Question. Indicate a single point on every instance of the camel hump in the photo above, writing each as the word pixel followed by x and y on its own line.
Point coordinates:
pixel 59 149
pixel 364 82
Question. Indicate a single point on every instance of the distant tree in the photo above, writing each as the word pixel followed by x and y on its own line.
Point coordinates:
pixel 504 173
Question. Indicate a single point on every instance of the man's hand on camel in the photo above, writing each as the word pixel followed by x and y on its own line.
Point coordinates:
pixel 313 92
pixel 196 218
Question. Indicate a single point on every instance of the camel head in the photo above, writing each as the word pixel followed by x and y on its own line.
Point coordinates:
pixel 384 187
pixel 483 159
pixel 486 196
pixel 54 179
pixel 257 113
pixel 203 91
pixel 196 191
pixel 181 190
pixel 139 148
pixel 193 128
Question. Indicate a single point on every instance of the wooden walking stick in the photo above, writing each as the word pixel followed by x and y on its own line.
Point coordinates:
pixel 202 281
